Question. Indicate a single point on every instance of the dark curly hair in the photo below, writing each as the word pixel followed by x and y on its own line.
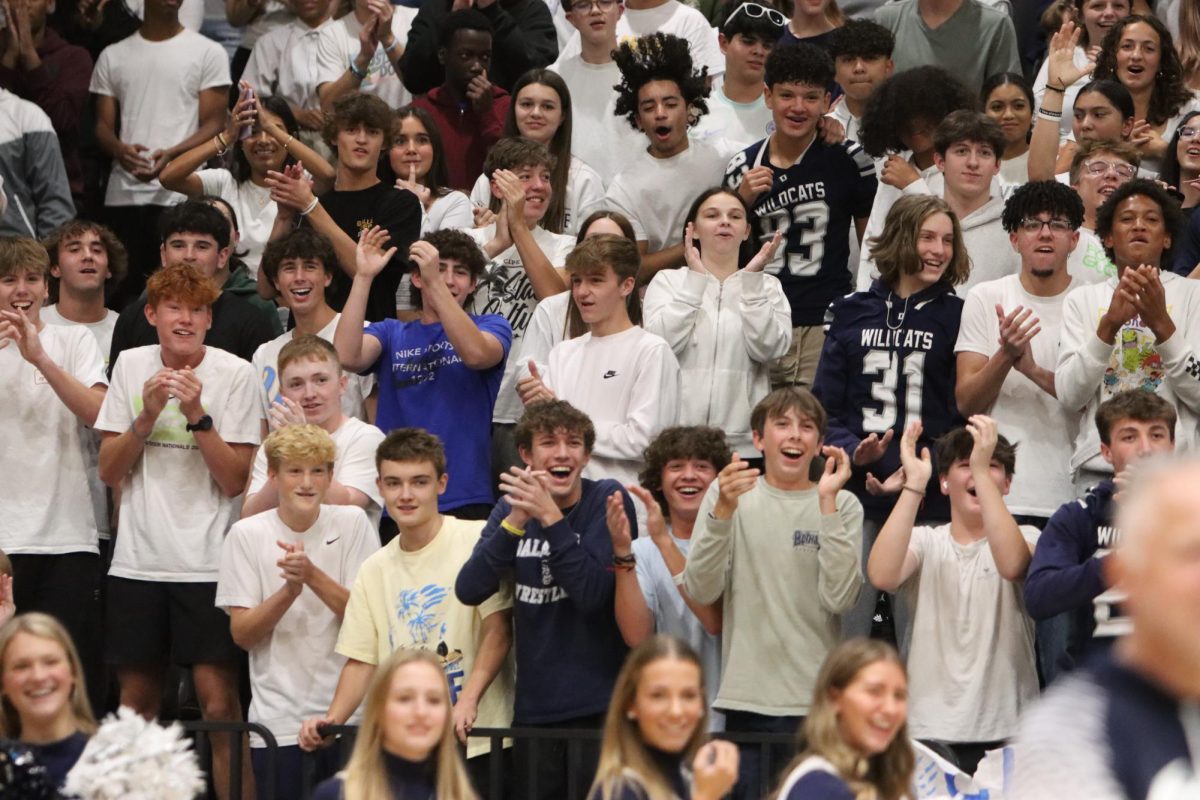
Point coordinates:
pixel 801 63
pixel 861 38
pixel 358 109
pixel 691 441
pixel 549 416
pixel 303 243
pixel 1139 187
pixel 921 93
pixel 659 57
pixel 1042 197
pixel 1170 89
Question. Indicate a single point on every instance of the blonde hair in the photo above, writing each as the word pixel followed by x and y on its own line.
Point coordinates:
pixel 304 444
pixel 1189 38
pixel 20 254
pixel 888 775
pixel 623 754
pixel 44 626
pixel 365 777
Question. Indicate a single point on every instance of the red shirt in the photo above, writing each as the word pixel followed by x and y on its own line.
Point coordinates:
pixel 467 135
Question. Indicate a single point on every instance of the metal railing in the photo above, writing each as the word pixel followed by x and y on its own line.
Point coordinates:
pixel 235 731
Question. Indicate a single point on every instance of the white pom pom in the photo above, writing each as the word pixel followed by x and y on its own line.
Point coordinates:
pixel 132 759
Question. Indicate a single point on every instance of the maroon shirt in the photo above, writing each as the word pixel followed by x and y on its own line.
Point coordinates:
pixel 466 135
pixel 60 88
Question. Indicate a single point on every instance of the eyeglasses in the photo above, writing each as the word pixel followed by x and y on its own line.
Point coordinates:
pixel 1032 225
pixel 584 6
pixel 754 11
pixel 1100 167
pixel 1189 132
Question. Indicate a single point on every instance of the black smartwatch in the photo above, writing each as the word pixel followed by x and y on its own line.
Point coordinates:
pixel 205 423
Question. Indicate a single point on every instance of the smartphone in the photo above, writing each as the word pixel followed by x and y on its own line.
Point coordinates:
pixel 247 130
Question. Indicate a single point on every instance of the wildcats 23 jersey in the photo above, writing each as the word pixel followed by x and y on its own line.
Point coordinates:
pixel 814 202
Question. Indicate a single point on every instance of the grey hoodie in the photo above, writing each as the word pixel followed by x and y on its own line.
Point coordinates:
pixel 33 179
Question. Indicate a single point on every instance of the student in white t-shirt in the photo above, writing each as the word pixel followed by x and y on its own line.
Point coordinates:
pixel 284 62
pixel 311 383
pixel 681 462
pixel 737 112
pixel 404 597
pixel 159 93
pixel 359 53
pixel 598 136
pixel 284 581
pixel 1013 381
pixel 541 111
pixel 272 147
pixel 644 17
pixel 659 183
pixel 300 267
pixel 51 386
pixel 525 268
pixel 623 377
pixel 180 423
pixel 970 657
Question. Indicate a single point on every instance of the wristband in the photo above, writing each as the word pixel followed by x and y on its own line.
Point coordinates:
pixel 361 74
pixel 392 46
pixel 288 142
pixel 221 149
pixel 917 492
pixel 1055 89
pixel 678 578
pixel 513 529
pixel 1050 116
pixel 308 209
pixel 627 562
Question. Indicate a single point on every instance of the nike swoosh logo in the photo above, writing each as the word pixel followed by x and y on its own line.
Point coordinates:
pixel 612 373
pixel 334 539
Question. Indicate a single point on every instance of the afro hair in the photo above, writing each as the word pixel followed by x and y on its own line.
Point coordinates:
pixel 658 57
pixel 921 93
pixel 1042 197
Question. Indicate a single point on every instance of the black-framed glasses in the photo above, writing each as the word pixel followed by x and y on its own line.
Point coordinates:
pixel 1100 167
pixel 754 11
pixel 584 6
pixel 1056 225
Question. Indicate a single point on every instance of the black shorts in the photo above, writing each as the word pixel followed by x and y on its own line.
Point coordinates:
pixel 156 622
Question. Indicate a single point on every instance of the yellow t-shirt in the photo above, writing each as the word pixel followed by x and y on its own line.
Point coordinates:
pixel 406 599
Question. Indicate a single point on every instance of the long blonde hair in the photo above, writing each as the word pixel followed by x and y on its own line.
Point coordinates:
pixel 888 775
pixel 45 626
pixel 1189 39
pixel 623 753
pixel 365 776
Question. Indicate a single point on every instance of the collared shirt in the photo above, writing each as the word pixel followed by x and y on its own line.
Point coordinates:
pixel 284 63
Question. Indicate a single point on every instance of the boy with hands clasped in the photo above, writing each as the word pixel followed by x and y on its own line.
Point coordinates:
pixel 970 658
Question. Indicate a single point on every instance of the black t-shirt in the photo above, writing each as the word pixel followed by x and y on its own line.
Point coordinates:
pixel 238 327
pixel 397 211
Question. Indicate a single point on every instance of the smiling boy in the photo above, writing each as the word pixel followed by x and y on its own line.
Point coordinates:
pixel 284 581
pixel 781 553
pixel 797 183
pixel 550 535
pixel 968 683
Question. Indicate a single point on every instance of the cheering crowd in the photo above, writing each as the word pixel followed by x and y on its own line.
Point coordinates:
pixel 657 368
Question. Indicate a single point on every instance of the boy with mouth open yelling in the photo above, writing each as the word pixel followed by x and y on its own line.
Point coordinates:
pixel 781 552
pixel 967 682
pixel 549 533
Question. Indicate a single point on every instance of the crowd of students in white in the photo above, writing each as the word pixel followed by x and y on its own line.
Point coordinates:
pixel 765 329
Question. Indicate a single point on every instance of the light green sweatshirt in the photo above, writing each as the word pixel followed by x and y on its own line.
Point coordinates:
pixel 786 573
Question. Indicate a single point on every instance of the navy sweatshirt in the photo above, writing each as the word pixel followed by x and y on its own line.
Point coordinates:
pixel 1065 573
pixel 882 367
pixel 569 649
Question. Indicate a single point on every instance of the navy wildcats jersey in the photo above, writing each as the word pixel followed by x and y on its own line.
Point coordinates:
pixel 814 202
pixel 887 362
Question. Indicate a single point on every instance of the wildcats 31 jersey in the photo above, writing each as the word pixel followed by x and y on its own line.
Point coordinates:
pixel 814 202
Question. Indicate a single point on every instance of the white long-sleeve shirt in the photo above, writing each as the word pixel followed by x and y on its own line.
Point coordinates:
pixel 1091 370
pixel 628 383
pixel 724 335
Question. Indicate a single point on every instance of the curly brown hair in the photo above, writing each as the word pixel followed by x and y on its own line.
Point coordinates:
pixel 118 259
pixel 681 441
pixel 1170 88
pixel 548 416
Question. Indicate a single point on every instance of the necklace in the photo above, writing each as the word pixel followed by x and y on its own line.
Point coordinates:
pixel 899 317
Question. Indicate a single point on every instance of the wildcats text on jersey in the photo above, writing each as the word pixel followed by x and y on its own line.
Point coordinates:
pixel 901 339
pixel 786 198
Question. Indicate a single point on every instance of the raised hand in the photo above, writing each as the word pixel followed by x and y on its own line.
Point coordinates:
pixel 656 525
pixel 509 189
pixel 1151 301
pixel 284 412
pixel 369 256
pixel 836 473
pixel 1061 71
pixel 1017 329
pixel 983 431
pixel 414 185
pixel 872 448
pixel 691 253
pixel 480 92
pixel 527 490
pixel 16 327
pixel 245 112
pixel 185 384
pixel 290 188
pixel 898 172
pixel 531 389
pixel 832 131
pixel 917 470
pixel 754 183
pixel 735 480
pixel 618 524
pixel 765 254
pixel 156 392
pixel 714 770
pixel 294 565
pixel 891 485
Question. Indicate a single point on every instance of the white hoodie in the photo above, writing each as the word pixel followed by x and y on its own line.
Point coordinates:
pixel 1091 371
pixel 992 254
pixel 725 335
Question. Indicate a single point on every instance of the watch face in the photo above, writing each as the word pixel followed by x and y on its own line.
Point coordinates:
pixel 205 423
